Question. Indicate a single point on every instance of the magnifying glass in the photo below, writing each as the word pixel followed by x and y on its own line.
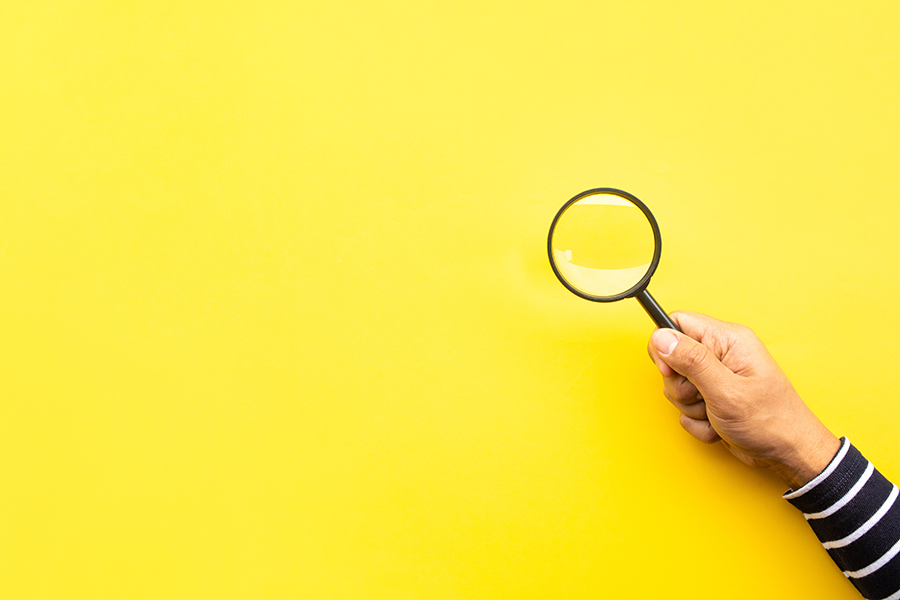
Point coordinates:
pixel 604 245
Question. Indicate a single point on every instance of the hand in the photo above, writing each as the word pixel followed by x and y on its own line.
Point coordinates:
pixel 729 389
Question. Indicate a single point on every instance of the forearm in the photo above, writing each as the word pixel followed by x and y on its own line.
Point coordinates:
pixel 854 512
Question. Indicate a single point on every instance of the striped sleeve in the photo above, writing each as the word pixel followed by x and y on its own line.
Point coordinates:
pixel 854 512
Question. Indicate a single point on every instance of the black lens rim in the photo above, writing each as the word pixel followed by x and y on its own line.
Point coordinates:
pixel 657 246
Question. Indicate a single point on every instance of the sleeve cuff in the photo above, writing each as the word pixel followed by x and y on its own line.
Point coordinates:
pixel 835 481
pixel 821 477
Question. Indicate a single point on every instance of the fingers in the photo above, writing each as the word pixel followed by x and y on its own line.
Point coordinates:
pixel 699 428
pixel 691 363
pixel 697 410
pixel 701 327
pixel 684 396
pixel 691 359
pixel 678 390
pixel 736 346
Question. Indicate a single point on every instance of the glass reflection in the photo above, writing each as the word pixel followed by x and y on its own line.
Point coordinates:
pixel 602 245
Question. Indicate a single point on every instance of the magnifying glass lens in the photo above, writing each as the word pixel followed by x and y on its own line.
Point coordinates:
pixel 602 245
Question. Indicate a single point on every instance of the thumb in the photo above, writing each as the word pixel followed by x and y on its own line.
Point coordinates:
pixel 691 359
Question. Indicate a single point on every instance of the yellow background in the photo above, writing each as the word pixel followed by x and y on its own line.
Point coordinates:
pixel 277 319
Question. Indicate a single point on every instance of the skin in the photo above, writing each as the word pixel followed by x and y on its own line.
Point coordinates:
pixel 729 389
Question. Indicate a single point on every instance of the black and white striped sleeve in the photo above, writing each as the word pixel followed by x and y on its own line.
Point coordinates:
pixel 854 512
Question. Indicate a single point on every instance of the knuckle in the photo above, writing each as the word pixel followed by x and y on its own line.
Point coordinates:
pixel 682 392
pixel 745 333
pixel 697 410
pixel 695 358
pixel 700 429
pixel 710 436
pixel 668 394
pixel 686 391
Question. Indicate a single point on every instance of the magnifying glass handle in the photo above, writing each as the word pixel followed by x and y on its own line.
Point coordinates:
pixel 655 311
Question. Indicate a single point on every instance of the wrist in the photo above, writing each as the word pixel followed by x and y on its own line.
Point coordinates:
pixel 808 457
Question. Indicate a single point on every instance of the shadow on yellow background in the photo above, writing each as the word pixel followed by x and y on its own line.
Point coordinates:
pixel 278 321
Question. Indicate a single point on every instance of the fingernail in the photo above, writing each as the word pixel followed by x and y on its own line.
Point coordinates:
pixel 664 341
